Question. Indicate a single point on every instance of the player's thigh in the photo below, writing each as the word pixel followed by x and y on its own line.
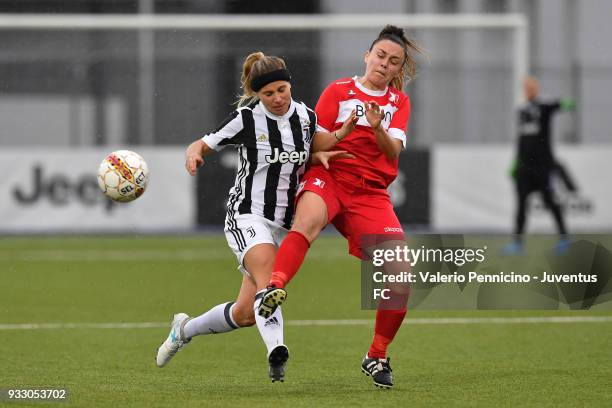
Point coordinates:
pixel 548 197
pixel 258 261
pixel 527 181
pixel 317 202
pixel 522 187
pixel 369 221
pixel 310 215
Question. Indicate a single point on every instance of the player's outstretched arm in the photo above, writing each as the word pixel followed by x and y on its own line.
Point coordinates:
pixel 323 141
pixel 194 155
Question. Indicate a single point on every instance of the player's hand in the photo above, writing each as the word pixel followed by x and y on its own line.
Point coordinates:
pixel 513 170
pixel 192 162
pixel 374 114
pixel 325 157
pixel 568 104
pixel 348 125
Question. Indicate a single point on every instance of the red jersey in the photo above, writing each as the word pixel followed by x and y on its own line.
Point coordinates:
pixel 334 107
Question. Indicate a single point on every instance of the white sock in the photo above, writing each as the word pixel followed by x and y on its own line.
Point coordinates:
pixel 271 329
pixel 217 320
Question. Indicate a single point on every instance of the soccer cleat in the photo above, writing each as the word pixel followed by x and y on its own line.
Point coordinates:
pixel 512 248
pixel 278 359
pixel 176 340
pixel 380 371
pixel 562 246
pixel 271 299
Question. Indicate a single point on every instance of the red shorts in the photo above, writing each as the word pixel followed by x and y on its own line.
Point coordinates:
pixel 360 211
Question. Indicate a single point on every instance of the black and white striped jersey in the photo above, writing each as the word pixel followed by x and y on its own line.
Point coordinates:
pixel 273 152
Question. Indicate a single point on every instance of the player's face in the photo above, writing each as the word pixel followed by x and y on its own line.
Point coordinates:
pixel 531 88
pixel 383 63
pixel 276 97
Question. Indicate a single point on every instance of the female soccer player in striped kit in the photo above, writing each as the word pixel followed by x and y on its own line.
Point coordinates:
pixel 273 135
pixel 353 195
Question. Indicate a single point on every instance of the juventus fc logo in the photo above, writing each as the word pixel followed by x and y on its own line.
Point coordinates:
pixel 251 232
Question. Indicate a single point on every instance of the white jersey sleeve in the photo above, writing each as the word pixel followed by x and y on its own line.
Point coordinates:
pixel 227 134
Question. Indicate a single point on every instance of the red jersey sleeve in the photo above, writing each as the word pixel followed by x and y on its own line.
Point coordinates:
pixel 327 108
pixel 399 122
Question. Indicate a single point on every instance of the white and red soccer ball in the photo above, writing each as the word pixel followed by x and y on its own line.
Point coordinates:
pixel 123 175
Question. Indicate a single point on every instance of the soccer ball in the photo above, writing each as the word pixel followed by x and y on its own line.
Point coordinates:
pixel 123 175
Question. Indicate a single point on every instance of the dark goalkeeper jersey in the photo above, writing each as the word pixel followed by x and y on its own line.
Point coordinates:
pixel 535 130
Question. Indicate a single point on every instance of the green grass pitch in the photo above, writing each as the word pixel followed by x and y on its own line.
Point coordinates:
pixel 146 279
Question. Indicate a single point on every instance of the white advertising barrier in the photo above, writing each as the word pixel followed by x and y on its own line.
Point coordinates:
pixel 472 190
pixel 53 189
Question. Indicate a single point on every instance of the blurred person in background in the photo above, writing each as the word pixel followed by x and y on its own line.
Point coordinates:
pixel 353 195
pixel 273 135
pixel 535 163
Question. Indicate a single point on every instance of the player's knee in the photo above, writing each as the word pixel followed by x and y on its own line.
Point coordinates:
pixel 400 289
pixel 308 226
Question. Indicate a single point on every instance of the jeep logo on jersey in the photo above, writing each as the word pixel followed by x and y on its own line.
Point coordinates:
pixel 279 156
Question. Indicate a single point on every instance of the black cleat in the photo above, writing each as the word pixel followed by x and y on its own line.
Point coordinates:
pixel 271 299
pixel 277 360
pixel 380 371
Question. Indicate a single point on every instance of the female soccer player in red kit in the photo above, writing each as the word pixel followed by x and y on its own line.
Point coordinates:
pixel 352 194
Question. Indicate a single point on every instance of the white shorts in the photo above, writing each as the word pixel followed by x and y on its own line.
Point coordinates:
pixel 244 231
